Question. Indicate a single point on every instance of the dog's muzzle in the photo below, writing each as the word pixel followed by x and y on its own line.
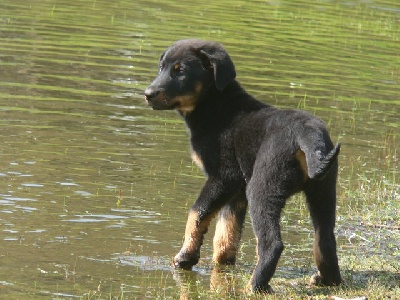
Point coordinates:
pixel 156 98
pixel 150 94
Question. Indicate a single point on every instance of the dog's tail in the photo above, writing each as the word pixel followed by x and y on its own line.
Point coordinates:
pixel 318 164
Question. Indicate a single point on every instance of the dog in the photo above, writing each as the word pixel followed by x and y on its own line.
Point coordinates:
pixel 253 155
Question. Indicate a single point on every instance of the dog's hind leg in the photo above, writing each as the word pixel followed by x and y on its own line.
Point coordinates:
pixel 229 229
pixel 275 177
pixel 321 199
pixel 265 221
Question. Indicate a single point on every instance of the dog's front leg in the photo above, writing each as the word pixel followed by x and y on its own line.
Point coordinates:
pixel 228 229
pixel 212 197
pixel 196 227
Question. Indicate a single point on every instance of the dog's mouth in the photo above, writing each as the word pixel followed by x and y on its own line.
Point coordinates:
pixel 184 103
pixel 156 98
pixel 161 103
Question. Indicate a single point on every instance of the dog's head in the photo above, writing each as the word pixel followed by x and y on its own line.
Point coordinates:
pixel 187 69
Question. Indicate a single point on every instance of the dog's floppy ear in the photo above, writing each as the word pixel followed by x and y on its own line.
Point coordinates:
pixel 224 69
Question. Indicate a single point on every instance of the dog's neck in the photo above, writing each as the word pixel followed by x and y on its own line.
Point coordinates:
pixel 207 113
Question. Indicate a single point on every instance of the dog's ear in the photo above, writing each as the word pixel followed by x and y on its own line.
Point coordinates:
pixel 218 58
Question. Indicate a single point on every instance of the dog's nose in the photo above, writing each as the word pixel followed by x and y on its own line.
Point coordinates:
pixel 150 93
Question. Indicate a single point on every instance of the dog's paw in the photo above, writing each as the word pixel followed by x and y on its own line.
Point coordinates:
pixel 224 260
pixel 251 288
pixel 318 280
pixel 185 260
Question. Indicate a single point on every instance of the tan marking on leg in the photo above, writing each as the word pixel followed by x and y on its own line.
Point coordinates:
pixel 226 239
pixel 249 288
pixel 301 157
pixel 197 160
pixel 317 251
pixel 258 256
pixel 194 232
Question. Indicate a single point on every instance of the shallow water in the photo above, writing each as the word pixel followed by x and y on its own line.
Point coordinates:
pixel 94 185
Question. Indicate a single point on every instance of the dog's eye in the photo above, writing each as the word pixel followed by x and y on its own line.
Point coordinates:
pixel 178 70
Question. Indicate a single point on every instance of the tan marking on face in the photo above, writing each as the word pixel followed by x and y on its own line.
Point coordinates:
pixel 177 67
pixel 186 103
pixel 197 160
pixel 198 87
pixel 226 239
pixel 195 230
pixel 301 157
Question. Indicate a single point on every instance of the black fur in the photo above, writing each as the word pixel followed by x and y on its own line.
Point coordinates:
pixel 252 154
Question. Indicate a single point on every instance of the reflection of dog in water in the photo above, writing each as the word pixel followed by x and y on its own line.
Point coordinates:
pixel 253 154
pixel 223 282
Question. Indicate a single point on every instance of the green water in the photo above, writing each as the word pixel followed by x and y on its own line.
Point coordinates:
pixel 94 185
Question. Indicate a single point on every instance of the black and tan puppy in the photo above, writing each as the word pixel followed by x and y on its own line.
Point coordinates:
pixel 253 155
